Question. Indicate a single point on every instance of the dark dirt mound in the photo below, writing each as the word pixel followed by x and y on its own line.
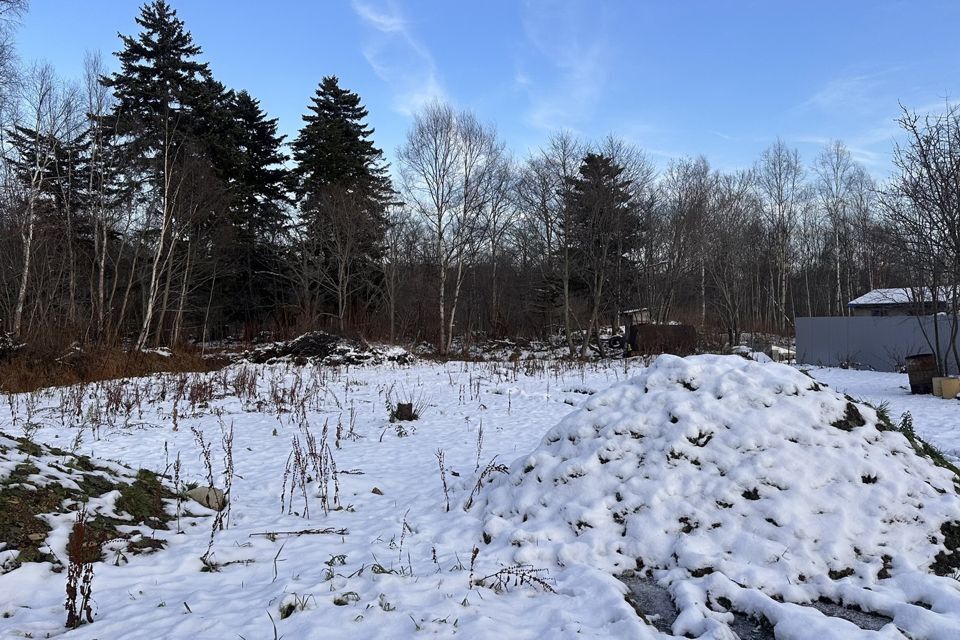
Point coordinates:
pixel 318 347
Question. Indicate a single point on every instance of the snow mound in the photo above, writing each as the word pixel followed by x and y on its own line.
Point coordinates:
pixel 743 486
pixel 322 348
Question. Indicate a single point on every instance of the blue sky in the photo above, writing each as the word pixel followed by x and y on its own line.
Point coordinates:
pixel 674 77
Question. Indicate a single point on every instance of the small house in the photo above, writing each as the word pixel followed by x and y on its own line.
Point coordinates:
pixel 899 302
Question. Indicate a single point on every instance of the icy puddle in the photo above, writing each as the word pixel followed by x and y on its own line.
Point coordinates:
pixel 655 604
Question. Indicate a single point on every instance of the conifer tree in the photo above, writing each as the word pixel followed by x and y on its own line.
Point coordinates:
pixel 61 171
pixel 334 147
pixel 343 191
pixel 598 205
pixel 159 82
pixel 258 177
pixel 258 214
pixel 157 90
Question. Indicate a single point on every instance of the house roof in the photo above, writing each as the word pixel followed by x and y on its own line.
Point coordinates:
pixel 898 296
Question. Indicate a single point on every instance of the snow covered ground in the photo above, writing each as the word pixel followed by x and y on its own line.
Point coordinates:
pixel 388 559
pixel 935 419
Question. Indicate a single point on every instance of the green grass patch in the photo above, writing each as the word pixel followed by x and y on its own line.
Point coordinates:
pixel 25 498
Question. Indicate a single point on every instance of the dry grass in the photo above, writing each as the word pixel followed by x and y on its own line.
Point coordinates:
pixel 82 551
pixel 36 368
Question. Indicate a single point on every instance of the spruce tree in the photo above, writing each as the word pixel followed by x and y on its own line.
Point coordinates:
pixel 599 203
pixel 334 147
pixel 214 129
pixel 600 211
pixel 340 180
pixel 258 178
pixel 167 106
pixel 257 189
pixel 158 85
pixel 56 167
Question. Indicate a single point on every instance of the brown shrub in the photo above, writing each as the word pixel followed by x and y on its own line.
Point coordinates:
pixel 33 368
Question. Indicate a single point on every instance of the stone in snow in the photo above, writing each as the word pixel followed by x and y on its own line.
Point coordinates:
pixel 209 497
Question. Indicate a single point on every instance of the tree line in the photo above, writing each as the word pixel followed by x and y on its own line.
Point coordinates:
pixel 153 205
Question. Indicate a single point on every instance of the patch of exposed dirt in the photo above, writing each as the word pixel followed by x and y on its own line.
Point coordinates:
pixel 47 481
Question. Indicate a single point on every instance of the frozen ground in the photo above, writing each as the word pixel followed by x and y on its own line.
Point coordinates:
pixel 389 560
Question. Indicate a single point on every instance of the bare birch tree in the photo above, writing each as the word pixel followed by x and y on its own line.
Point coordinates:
pixel 446 166
pixel 835 171
pixel 922 208
pixel 44 112
pixel 783 195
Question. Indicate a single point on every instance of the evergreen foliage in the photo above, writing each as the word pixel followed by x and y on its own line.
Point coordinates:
pixel 158 86
pixel 343 191
pixel 601 223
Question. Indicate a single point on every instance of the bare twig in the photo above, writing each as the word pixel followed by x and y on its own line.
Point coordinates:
pixel 302 532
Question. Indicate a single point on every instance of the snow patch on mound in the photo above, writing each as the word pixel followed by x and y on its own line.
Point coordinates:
pixel 741 486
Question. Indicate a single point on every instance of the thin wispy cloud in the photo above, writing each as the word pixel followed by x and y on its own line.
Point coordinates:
pixel 398 57
pixel 574 58
pixel 386 22
pixel 859 148
pixel 724 136
pixel 845 93
pixel 868 104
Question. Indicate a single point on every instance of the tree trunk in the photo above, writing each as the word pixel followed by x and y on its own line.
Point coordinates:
pixel 566 298
pixel 154 285
pixel 453 305
pixel 178 319
pixel 442 344
pixel 24 276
